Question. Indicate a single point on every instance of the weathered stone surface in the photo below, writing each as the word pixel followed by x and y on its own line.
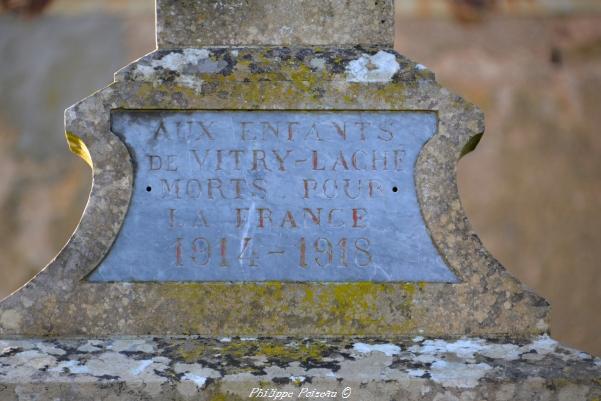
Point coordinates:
pixel 534 172
pixel 266 22
pixel 274 195
pixel 486 301
pixel 361 369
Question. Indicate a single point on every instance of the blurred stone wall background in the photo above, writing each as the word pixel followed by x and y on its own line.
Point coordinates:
pixel 532 189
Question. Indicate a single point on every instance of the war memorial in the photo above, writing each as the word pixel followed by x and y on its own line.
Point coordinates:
pixel 275 215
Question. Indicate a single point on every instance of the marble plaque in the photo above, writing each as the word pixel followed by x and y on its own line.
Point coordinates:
pixel 273 196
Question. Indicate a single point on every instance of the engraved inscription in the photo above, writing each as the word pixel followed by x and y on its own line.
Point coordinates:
pixel 273 196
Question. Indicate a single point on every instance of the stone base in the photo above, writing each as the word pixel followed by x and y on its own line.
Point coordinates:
pixel 193 368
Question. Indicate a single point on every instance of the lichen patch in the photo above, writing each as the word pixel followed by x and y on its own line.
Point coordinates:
pixel 158 365
pixel 200 381
pixel 386 349
pixel 458 374
pixel 175 60
pixel 379 67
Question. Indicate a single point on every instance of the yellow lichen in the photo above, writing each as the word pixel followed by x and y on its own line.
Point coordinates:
pixel 218 395
pixel 191 354
pixel 329 308
pixel 301 353
pixel 77 146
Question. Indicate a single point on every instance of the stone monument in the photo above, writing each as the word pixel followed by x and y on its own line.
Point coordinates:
pixel 274 215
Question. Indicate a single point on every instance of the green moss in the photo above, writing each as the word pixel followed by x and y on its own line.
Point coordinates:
pixel 561 382
pixel 409 288
pixel 218 395
pixel 264 384
pixel 287 86
pixel 145 91
pixel 276 351
pixel 309 295
pixel 328 308
pixel 305 79
pixel 239 349
pixel 302 353
pixel 358 304
pixel 191 354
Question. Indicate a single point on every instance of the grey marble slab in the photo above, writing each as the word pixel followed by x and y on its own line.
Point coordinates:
pixel 273 196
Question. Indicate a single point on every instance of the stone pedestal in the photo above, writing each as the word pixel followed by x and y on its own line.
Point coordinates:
pixel 358 369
